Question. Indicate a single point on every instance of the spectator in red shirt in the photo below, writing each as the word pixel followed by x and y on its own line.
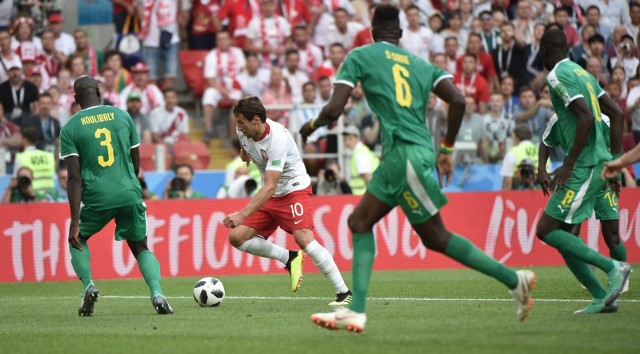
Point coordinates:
pixel 310 54
pixel 51 59
pixel 470 83
pixel 296 12
pixel 562 17
pixel 239 13
pixel 485 60
pixel 202 34
pixel 330 66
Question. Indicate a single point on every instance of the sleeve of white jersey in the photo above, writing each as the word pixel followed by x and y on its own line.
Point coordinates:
pixel 508 165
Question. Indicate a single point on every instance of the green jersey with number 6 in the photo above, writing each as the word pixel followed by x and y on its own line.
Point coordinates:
pixel 397 85
pixel 102 137
pixel 568 81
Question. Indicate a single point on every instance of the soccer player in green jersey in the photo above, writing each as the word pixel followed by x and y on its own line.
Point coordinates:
pixel 100 147
pixel 577 99
pixel 606 207
pixel 397 85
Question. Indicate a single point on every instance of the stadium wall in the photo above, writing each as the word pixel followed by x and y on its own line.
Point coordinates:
pixel 189 239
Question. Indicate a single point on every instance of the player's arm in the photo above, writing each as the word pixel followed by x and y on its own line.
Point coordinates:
pixel 612 168
pixel 135 158
pixel 446 91
pixel 271 179
pixel 544 152
pixel 74 191
pixel 331 111
pixel 612 110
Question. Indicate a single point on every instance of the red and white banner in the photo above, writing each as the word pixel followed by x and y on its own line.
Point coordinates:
pixel 189 239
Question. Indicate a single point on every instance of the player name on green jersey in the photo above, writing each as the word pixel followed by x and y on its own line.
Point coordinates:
pixel 98 118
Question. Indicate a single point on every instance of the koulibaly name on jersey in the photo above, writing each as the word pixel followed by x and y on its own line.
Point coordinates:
pixel 99 118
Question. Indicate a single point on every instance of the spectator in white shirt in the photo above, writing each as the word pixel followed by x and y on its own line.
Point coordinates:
pixel 267 34
pixel 255 79
pixel 342 31
pixel 324 13
pixel 524 23
pixel 613 12
pixel 416 38
pixel 221 66
pixel 64 41
pixel 295 77
pixel 310 54
pixel 309 109
pixel 169 122
pixel 23 33
pixel 8 58
pixel 330 66
pixel 150 95
pixel 160 38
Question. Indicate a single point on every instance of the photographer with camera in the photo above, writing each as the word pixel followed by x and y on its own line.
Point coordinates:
pixel 516 172
pixel 20 189
pixel 626 58
pixel 330 180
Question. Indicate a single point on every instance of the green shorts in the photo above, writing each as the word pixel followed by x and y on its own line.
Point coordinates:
pixel 131 221
pixel 607 205
pixel 405 177
pixel 575 203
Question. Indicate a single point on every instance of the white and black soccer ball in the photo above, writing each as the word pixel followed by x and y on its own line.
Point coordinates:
pixel 208 292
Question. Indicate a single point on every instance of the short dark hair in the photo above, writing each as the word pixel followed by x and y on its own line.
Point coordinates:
pixel 324 78
pixel 553 25
pixel 169 90
pixel 522 131
pixel 183 165
pixel 336 44
pixel 593 7
pixel 30 134
pixel 470 56
pixel 474 34
pixel 111 53
pixel 249 107
pixel 340 9
pixel 412 7
pixel 291 51
pixel 309 83
pixel 525 89
pixel 596 38
pixel 633 4
pixel 560 9
pixel 44 94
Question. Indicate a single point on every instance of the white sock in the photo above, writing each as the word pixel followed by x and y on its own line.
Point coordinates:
pixel 323 260
pixel 260 247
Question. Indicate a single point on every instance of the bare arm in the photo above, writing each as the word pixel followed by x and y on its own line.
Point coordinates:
pixel 450 94
pixel 13 141
pixel 612 110
pixel 585 120
pixel 135 158
pixel 334 108
pixel 612 168
pixel 507 183
pixel 543 176
pixel 271 179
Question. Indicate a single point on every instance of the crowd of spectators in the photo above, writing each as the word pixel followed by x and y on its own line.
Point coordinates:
pixel 288 52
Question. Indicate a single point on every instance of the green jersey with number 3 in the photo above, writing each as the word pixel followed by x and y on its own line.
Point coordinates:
pixel 568 81
pixel 102 137
pixel 397 85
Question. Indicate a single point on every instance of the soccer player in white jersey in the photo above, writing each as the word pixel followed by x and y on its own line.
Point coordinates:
pixel 284 199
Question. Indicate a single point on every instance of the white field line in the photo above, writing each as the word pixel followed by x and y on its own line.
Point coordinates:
pixel 305 298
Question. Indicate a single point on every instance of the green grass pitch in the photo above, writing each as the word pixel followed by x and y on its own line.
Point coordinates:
pixel 444 311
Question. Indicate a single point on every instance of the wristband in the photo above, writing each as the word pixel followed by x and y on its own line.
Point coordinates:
pixel 311 125
pixel 446 149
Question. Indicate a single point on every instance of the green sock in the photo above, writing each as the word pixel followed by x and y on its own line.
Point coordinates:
pixel 585 275
pixel 364 251
pixel 570 245
pixel 619 253
pixel 465 252
pixel 150 269
pixel 81 262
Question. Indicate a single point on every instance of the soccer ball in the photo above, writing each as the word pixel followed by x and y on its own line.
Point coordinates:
pixel 208 292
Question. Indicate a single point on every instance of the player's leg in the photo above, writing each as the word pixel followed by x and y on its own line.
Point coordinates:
pixel 573 205
pixel 366 214
pixel 325 263
pixel 131 225
pixel 91 222
pixel 246 238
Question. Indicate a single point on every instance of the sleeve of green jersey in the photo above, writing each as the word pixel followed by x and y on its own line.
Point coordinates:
pixel 67 145
pixel 438 74
pixel 550 136
pixel 349 73
pixel 134 140
pixel 565 86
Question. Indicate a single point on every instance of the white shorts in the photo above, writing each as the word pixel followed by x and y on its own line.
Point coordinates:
pixel 212 96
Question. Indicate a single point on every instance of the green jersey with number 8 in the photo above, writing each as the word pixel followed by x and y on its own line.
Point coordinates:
pixel 397 85
pixel 568 81
pixel 102 137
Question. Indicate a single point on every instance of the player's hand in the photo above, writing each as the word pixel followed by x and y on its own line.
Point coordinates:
pixel 306 130
pixel 445 169
pixel 233 220
pixel 74 232
pixel 545 181
pixel 560 177
pixel 616 186
pixel 611 169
